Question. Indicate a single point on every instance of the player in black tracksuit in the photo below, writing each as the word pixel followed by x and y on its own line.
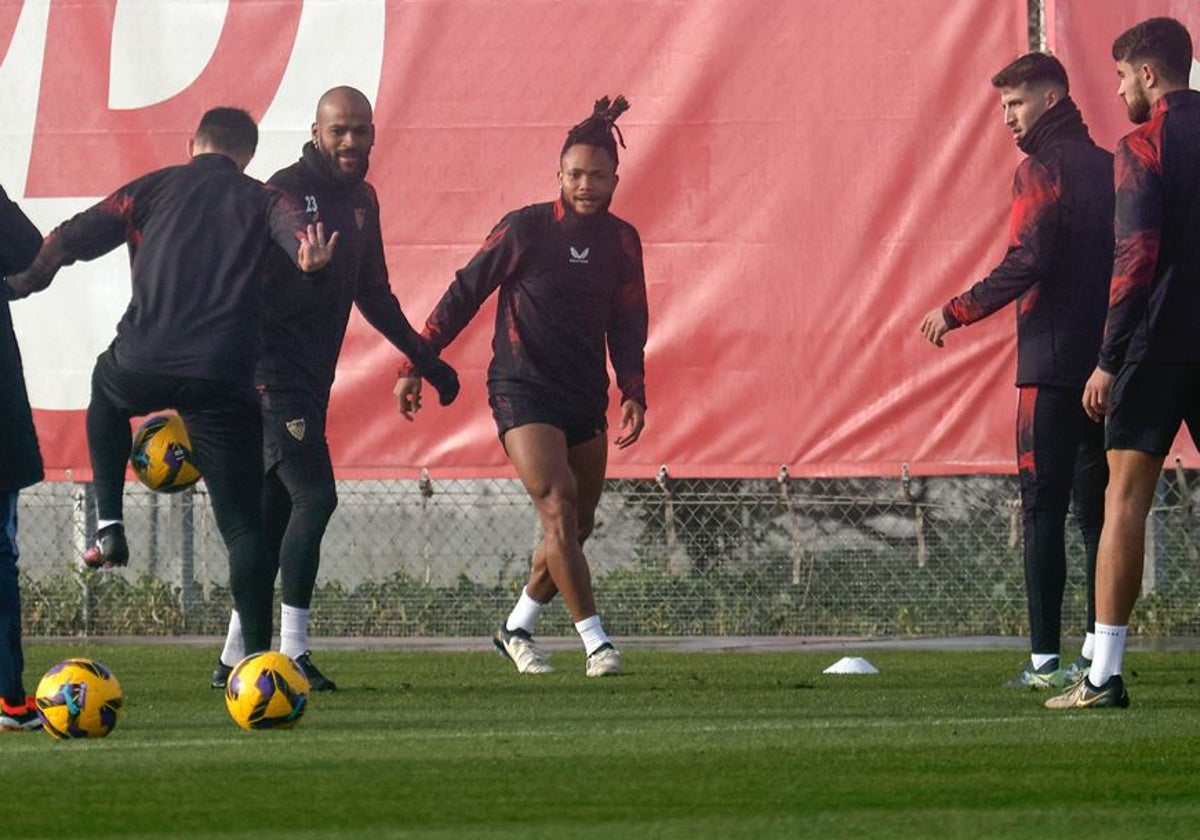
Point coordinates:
pixel 20 466
pixel 1056 270
pixel 197 235
pixel 570 282
pixel 303 327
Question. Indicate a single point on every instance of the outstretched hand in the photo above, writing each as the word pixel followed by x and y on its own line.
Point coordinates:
pixel 315 252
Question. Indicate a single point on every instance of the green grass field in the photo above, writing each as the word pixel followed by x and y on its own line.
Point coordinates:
pixel 684 745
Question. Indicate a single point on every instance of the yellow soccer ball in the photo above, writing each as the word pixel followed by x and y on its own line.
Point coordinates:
pixel 162 455
pixel 79 698
pixel 266 691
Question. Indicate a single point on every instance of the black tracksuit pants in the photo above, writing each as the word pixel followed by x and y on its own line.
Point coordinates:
pixel 1062 465
pixel 225 426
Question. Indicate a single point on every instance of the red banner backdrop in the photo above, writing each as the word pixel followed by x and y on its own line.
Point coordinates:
pixel 808 179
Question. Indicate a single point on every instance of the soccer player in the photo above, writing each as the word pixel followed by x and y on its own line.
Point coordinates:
pixel 198 235
pixel 1147 380
pixel 303 329
pixel 20 466
pixel 570 279
pixel 1056 269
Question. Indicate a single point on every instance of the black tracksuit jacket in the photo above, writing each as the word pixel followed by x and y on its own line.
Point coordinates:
pixel 306 315
pixel 20 458
pixel 1154 306
pixel 1060 254
pixel 198 237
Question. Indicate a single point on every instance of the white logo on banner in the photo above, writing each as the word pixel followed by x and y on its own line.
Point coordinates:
pixel 158 50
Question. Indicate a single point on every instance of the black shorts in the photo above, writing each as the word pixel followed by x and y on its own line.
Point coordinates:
pixel 579 425
pixel 1147 404
pixel 294 431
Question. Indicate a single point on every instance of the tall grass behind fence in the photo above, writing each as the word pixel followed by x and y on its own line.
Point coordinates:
pixel 873 557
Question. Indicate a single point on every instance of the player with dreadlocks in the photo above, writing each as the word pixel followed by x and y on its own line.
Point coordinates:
pixel 570 279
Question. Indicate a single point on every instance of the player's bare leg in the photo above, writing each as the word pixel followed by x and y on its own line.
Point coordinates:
pixel 548 471
pixel 1132 479
pixel 588 462
pixel 539 453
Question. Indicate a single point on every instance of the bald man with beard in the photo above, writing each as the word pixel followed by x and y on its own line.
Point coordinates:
pixel 303 329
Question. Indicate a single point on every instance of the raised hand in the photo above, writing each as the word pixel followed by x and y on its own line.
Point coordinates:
pixel 315 252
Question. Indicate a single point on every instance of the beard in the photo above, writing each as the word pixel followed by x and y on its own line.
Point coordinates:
pixel 351 175
pixel 1138 107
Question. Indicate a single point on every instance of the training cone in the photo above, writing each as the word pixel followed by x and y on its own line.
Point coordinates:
pixel 851 665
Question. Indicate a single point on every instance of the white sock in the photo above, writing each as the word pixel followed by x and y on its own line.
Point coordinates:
pixel 235 646
pixel 101 524
pixel 525 614
pixel 1089 646
pixel 1040 659
pixel 592 633
pixel 1110 653
pixel 293 631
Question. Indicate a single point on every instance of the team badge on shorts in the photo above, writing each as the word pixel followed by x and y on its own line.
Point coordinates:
pixel 295 428
pixel 360 216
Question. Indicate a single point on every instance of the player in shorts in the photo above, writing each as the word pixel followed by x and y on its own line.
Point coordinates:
pixel 1147 380
pixel 570 282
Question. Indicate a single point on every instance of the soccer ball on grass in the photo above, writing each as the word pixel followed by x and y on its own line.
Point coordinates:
pixel 79 698
pixel 266 691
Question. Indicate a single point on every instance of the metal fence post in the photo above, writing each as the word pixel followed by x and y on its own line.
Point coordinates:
pixel 156 536
pixel 677 558
pixel 425 485
pixel 83 522
pixel 187 553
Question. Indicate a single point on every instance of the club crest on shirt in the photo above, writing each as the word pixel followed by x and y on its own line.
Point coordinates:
pixel 578 256
pixel 360 216
pixel 295 428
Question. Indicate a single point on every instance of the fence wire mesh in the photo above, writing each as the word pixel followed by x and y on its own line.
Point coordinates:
pixel 852 556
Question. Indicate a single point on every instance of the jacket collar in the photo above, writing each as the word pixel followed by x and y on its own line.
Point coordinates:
pixel 1061 122
pixel 1175 99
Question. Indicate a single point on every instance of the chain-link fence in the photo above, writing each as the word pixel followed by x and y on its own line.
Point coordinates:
pixel 860 556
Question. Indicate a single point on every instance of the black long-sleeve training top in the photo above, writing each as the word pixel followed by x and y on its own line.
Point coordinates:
pixel 198 235
pixel 20 458
pixel 305 319
pixel 1060 253
pixel 1154 302
pixel 569 285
